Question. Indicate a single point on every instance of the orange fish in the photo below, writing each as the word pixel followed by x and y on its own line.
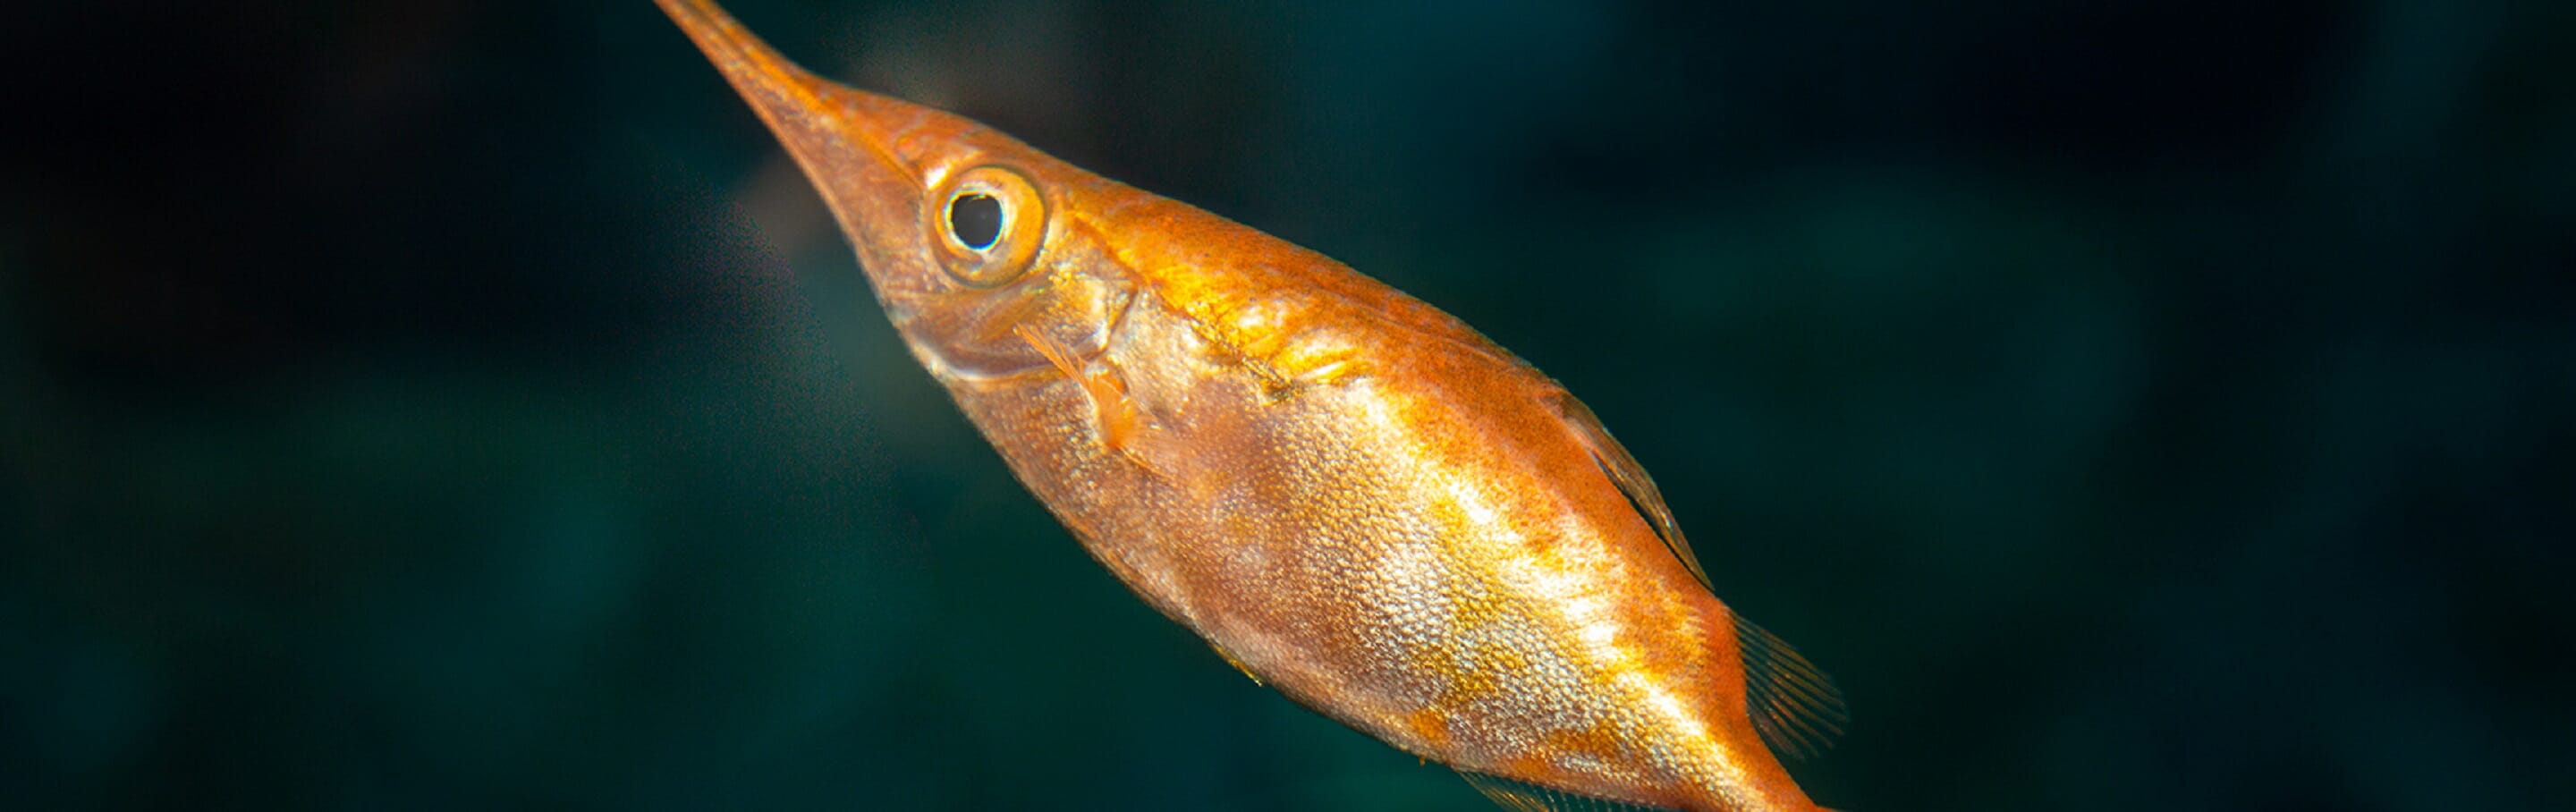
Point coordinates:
pixel 1352 496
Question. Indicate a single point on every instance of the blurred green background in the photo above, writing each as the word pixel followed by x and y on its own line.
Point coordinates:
pixel 2153 405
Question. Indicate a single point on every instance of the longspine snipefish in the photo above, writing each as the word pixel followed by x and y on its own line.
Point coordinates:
pixel 1352 496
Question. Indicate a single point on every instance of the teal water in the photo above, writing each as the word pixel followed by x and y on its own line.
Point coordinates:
pixel 2139 406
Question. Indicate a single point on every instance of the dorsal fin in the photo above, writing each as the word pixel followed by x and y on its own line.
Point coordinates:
pixel 1793 704
pixel 1631 479
pixel 1521 797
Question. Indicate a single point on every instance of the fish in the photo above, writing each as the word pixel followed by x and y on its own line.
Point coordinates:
pixel 1353 497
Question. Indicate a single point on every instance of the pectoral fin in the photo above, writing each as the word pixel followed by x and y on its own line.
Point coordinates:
pixel 1123 426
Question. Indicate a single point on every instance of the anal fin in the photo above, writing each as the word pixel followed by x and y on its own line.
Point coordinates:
pixel 1238 664
pixel 1521 797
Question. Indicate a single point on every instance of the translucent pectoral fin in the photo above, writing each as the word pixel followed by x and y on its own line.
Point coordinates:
pixel 1123 427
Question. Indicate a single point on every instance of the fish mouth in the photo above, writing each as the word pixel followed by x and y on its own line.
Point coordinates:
pixel 844 138
pixel 851 145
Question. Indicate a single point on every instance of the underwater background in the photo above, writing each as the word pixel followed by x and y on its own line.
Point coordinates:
pixel 438 405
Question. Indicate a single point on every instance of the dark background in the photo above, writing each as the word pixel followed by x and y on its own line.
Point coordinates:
pixel 2155 405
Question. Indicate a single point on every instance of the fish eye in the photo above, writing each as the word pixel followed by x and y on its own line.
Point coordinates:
pixel 976 219
pixel 990 221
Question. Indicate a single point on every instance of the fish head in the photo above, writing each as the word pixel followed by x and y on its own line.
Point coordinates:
pixel 966 234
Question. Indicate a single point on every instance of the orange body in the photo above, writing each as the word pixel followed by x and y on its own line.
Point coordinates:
pixel 1352 496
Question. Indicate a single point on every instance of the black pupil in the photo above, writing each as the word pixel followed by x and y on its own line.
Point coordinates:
pixel 977 219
